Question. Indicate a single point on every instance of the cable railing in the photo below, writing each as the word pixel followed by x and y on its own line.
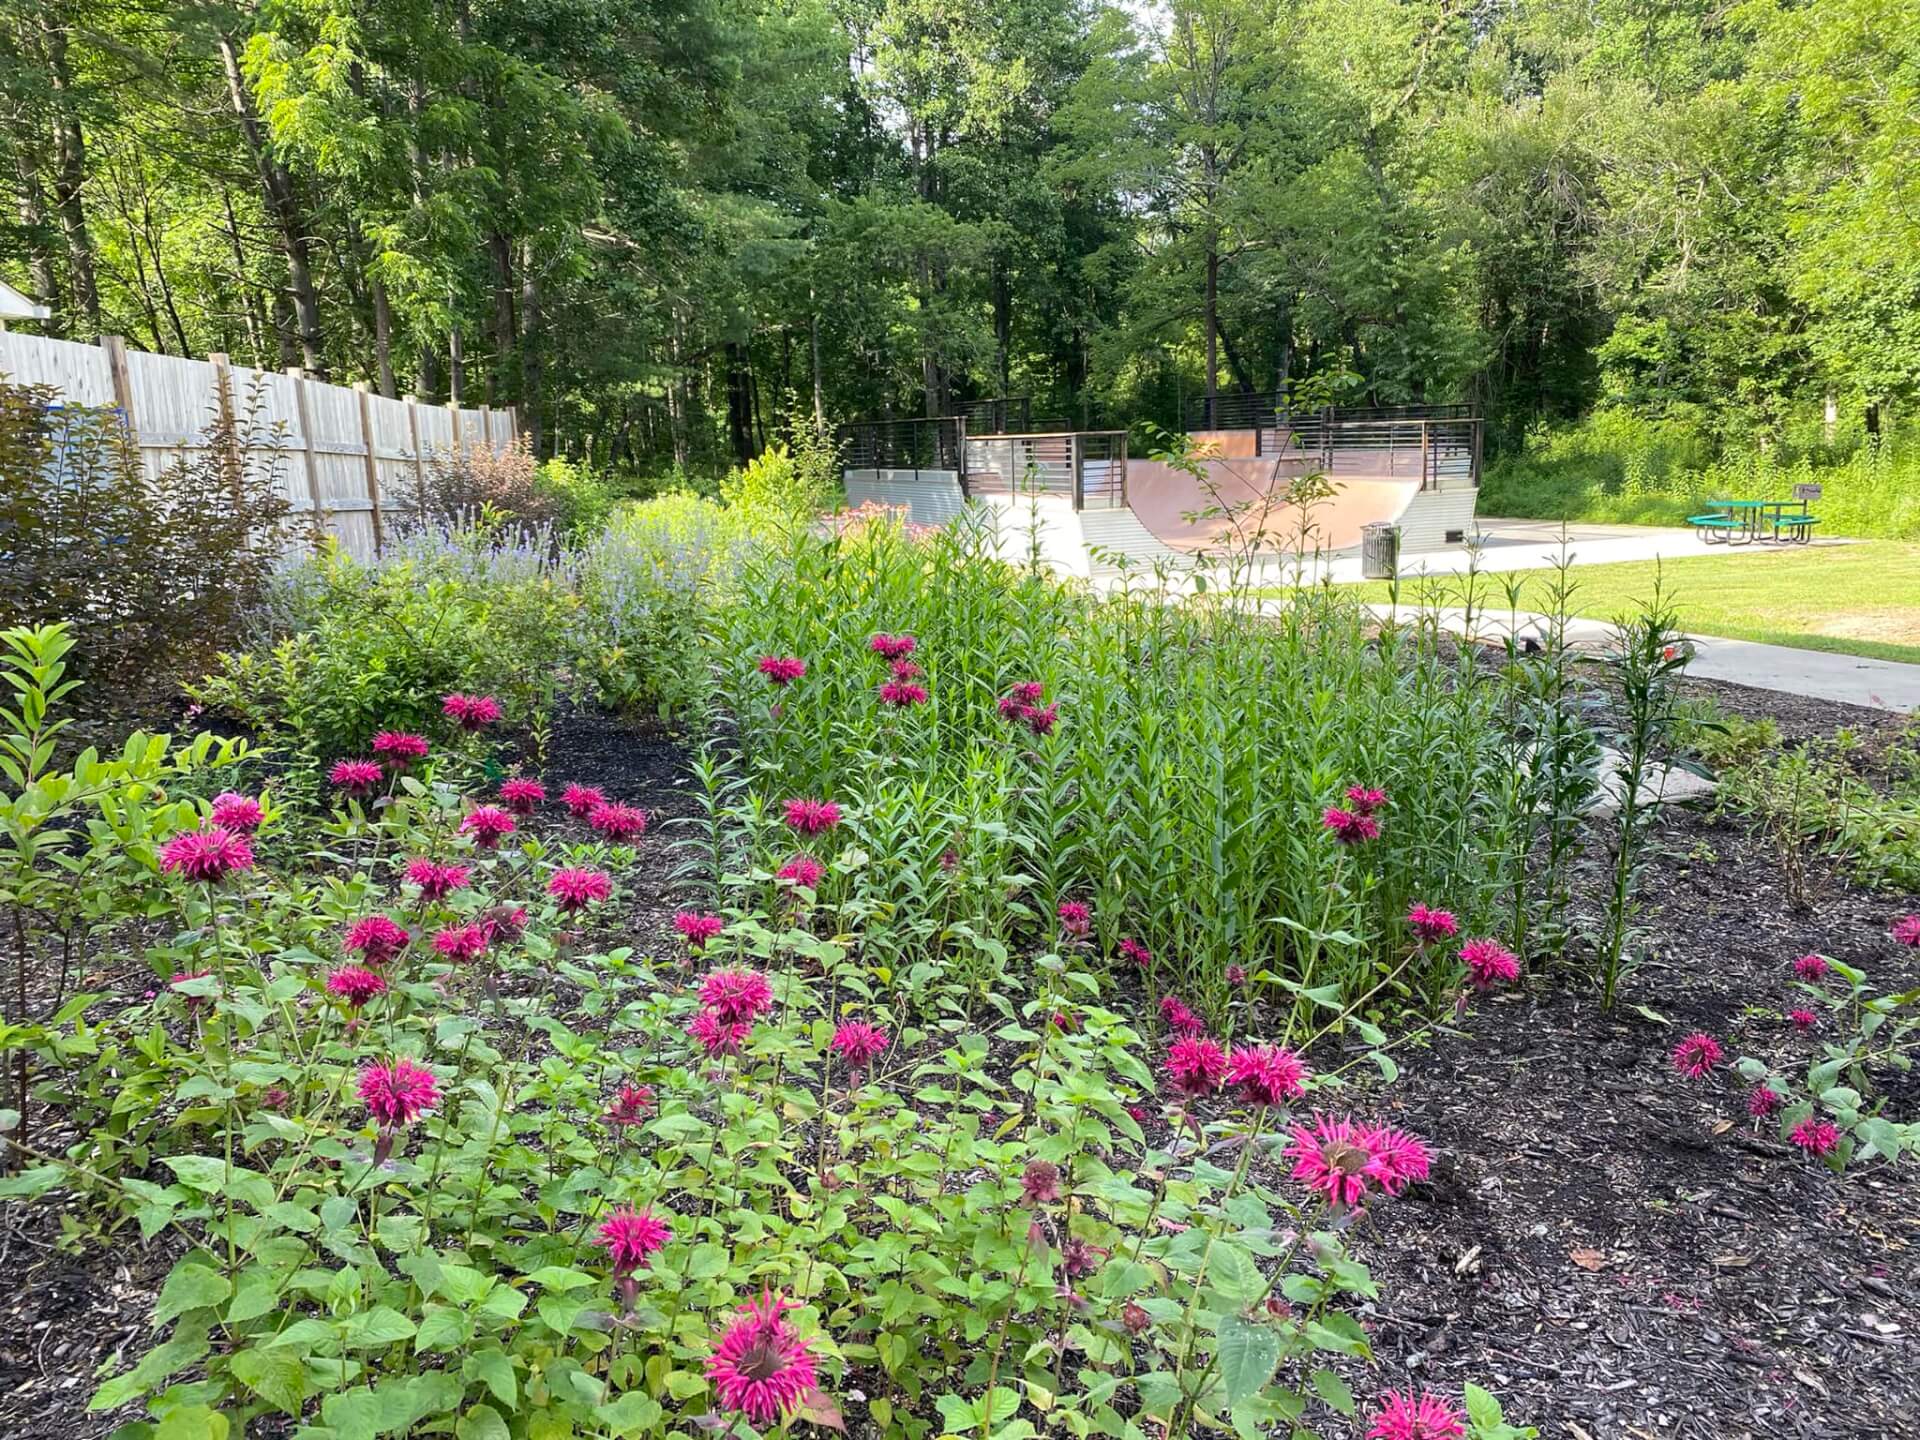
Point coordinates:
pixel 1435 450
pixel 1088 466
pixel 918 444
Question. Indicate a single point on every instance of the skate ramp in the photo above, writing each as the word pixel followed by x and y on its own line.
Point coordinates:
pixel 1256 490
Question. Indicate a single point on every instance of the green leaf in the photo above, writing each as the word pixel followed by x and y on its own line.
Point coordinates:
pixel 381 1325
pixel 1248 1354
pixel 1232 1272
pixel 559 1277
pixel 192 1422
pixel 708 1261
pixel 635 1411
pixel 495 1367
pixel 481 1422
pixel 1483 1409
pixel 1335 1391
pixel 278 1376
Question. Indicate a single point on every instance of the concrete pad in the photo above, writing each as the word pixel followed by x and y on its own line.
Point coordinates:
pixel 1668 784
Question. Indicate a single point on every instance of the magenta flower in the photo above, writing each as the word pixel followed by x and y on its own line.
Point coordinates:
pixel 521 796
pixel 630 1105
pixel 1405 1416
pixel 802 870
pixel 488 825
pixel 208 855
pixel 782 669
pixel 1764 1101
pixel 905 670
pixel 892 647
pixel 1907 930
pixel 618 823
pixel 1816 1137
pixel 812 817
pixel 1349 827
pixel 355 985
pixel 1488 963
pixel 1015 704
pixel 1365 800
pixel 356 777
pixel 1064 1021
pixel 1131 949
pixel 436 881
pixel 582 800
pixel 1079 1258
pixel 1196 1066
pixel 376 939
pixel 575 889
pixel 1041 718
pixel 629 1236
pixel 1332 1158
pixel 760 1367
pixel 1179 1018
pixel 902 694
pixel 239 813
pixel 1266 1074
pixel 1811 967
pixel 503 922
pixel 1803 1020
pixel 471 712
pixel 398 1094
pixel 1236 974
pixel 1398 1158
pixel 859 1044
pixel 1431 926
pixel 1076 919
pixel 718 1036
pixel 461 943
pixel 1040 1183
pixel 399 748
pixel 737 995
pixel 698 929
pixel 1695 1056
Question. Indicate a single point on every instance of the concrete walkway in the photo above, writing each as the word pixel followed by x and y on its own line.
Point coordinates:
pixel 1844 679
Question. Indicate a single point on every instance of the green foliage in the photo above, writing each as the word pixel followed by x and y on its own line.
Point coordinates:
pixel 784 488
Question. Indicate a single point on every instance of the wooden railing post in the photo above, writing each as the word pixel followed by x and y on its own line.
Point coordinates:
pixel 373 464
pixel 223 400
pixel 419 461
pixel 115 349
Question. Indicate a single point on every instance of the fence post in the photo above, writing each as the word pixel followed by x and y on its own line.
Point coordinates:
pixel 486 428
pixel 115 349
pixel 1426 452
pixel 305 410
pixel 223 398
pixel 453 414
pixel 419 464
pixel 373 464
pixel 1074 457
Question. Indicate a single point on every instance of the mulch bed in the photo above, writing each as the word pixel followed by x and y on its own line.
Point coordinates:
pixel 1615 1251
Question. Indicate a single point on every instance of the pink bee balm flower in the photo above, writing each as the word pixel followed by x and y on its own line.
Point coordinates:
pixel 892 647
pixel 902 694
pixel 471 712
pixel 461 943
pixel 1811 967
pixel 618 823
pixel 1488 963
pixel 1431 926
pixel 1764 1101
pixel 239 813
pixel 356 777
pixel 488 825
pixel 1196 1066
pixel 1695 1056
pixel 1236 974
pixel 802 870
pixel 631 1105
pixel 761 1367
pixel 1410 1417
pixel 1803 1019
pixel 1131 949
pixel 1040 1183
pixel 629 1236
pixel 905 670
pixel 697 928
pixel 859 1044
pixel 719 1037
pixel 737 995
pixel 812 817
pixel 398 1094
pixel 355 985
pixel 1027 692
pixel 1041 718
pixel 782 669
pixel 575 889
pixel 436 881
pixel 521 796
pixel 1398 1158
pixel 1907 930
pixel 1365 800
pixel 1816 1137
pixel 1350 827
pixel 582 800
pixel 503 922
pixel 1075 918
pixel 1266 1074
pixel 208 855
pixel 1332 1158
pixel 1179 1018
pixel 376 939
pixel 399 748
pixel 1063 1021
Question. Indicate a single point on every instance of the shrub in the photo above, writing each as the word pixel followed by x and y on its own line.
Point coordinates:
pixel 786 485
pixel 456 487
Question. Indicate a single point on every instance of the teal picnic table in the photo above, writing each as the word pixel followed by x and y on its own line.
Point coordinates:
pixel 1741 522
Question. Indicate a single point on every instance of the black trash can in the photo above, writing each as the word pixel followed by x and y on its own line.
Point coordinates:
pixel 1379 551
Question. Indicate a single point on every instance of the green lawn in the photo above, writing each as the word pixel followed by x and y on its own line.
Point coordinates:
pixel 1861 599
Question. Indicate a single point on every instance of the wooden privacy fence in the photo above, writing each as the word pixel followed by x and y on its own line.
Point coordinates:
pixel 349 457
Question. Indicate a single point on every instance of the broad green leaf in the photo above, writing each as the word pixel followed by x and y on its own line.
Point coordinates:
pixel 1248 1354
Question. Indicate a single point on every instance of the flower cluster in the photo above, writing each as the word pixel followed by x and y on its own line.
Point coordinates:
pixel 629 1236
pixel 619 823
pixel 782 669
pixel 461 943
pixel 802 870
pixel 1340 1159
pixel 1430 926
pixel 1489 963
pixel 1404 1415
pixel 471 712
pixel 355 985
pixel 208 856
pixel 761 1367
pixel 575 888
pixel 697 928
pixel 806 816
pixel 1021 706
pixel 630 1105
pixel 582 800
pixel 398 1094
pixel 488 825
pixel 240 814
pixel 1196 1066
pixel 892 647
pixel 398 749
pixel 730 1002
pixel 1179 1019
pixel 1076 918
pixel 1131 949
pixel 376 939
pixel 1350 827
pixel 1906 930
pixel 1695 1056
pixel 356 777
pixel 436 881
pixel 859 1043
pixel 521 795
pixel 1266 1074
pixel 902 694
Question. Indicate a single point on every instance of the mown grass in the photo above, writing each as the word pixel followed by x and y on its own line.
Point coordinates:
pixel 1859 599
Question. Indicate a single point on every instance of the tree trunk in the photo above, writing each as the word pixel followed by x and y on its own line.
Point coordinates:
pixel 456 365
pixel 530 341
pixel 43 281
pixel 1213 328
pixel 1002 323
pixel 739 403
pixel 70 173
pixel 382 334
pixel 500 251
pixel 819 402
pixel 277 187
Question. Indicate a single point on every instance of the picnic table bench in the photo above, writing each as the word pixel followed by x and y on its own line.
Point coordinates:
pixel 1741 522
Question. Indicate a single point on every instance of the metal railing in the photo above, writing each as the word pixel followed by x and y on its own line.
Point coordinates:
pixel 1000 415
pixel 1090 466
pixel 1433 449
pixel 904 444
pixel 1234 410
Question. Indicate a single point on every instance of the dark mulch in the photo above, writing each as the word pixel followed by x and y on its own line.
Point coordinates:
pixel 1618 1253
